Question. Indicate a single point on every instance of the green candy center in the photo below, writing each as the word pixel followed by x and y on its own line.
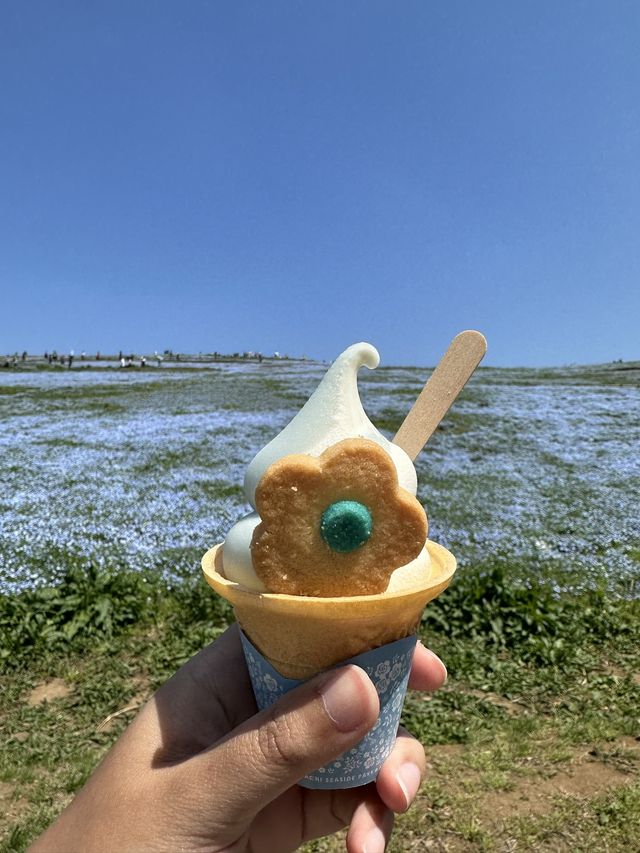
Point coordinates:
pixel 346 525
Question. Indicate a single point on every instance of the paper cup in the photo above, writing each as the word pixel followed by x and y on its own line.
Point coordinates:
pixel 388 667
pixel 288 639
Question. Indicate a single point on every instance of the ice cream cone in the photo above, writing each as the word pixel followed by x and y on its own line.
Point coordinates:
pixel 301 635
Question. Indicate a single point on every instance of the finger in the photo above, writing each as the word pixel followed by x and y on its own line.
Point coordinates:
pixel 427 670
pixel 218 670
pixel 310 726
pixel 328 811
pixel 206 698
pixel 402 773
pixel 303 814
pixel 370 827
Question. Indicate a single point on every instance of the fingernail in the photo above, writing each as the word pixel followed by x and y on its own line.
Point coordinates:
pixel 374 841
pixel 436 658
pixel 342 694
pixel 409 779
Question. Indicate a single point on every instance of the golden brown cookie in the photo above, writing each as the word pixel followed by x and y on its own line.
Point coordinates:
pixel 335 525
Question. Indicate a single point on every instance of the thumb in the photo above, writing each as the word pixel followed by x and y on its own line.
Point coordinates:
pixel 273 750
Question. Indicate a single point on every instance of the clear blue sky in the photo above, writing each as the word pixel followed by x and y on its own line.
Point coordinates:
pixel 297 176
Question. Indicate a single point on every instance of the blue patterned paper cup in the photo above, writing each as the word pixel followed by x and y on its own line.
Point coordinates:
pixel 293 637
pixel 388 667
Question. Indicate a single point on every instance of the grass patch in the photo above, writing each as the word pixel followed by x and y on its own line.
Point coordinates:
pixel 61 442
pixel 10 390
pixel 389 420
pixel 530 687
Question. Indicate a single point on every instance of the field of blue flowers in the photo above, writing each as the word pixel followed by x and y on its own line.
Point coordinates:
pixel 144 470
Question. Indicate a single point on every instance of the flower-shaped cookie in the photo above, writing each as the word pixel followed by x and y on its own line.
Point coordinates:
pixel 335 525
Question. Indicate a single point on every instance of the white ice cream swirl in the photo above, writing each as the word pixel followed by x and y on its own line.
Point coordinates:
pixel 332 413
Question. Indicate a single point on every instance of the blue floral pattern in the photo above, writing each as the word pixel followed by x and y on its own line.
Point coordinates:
pixel 388 667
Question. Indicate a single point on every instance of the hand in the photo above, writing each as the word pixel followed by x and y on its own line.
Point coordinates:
pixel 200 770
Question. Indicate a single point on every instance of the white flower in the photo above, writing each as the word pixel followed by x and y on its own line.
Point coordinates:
pixel 382 668
pixel 383 685
pixel 269 682
pixel 396 670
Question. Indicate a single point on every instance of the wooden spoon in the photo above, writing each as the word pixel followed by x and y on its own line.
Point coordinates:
pixel 448 379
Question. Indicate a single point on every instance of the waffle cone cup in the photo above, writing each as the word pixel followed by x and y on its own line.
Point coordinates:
pixel 303 635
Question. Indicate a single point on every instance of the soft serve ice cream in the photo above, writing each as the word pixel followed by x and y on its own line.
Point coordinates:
pixel 332 415
pixel 333 565
pixel 334 561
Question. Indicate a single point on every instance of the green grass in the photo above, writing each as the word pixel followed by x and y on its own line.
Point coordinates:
pixel 549 680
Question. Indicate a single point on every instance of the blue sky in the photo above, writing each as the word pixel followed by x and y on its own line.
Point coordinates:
pixel 297 176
